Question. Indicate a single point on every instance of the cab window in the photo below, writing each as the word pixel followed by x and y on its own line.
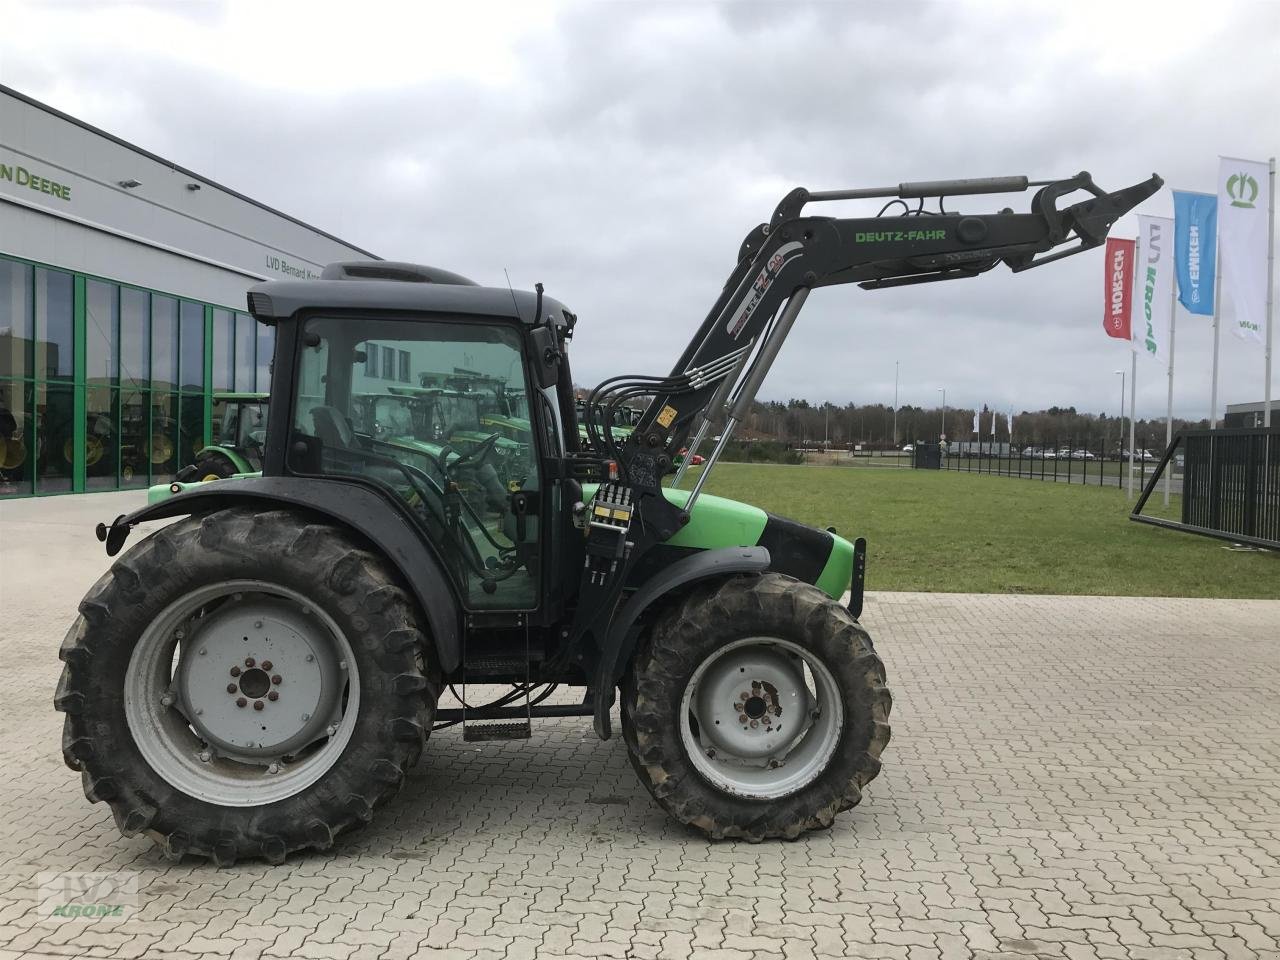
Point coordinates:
pixel 436 428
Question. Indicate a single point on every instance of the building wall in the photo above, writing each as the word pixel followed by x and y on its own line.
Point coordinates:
pixel 121 307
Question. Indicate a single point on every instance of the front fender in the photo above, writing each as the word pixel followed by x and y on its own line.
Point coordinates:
pixel 346 504
pixel 620 642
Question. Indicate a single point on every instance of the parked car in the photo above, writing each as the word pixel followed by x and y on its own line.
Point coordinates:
pixel 909 448
pixel 1082 455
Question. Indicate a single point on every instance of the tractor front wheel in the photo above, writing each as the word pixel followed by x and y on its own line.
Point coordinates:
pixel 245 685
pixel 756 709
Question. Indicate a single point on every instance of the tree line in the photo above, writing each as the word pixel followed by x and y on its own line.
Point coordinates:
pixel 799 423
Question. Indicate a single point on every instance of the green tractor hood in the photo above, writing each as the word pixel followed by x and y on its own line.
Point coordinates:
pixel 806 553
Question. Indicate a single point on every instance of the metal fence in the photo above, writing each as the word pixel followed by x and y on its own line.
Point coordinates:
pixel 1231 486
pixel 1065 460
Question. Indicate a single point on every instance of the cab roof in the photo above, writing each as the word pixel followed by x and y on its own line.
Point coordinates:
pixel 401 287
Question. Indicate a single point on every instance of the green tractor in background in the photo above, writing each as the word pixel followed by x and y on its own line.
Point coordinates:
pixel 239 433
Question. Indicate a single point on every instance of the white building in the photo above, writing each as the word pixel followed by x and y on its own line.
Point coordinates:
pixel 122 283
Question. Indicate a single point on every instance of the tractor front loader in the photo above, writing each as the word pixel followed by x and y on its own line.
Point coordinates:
pixel 258 676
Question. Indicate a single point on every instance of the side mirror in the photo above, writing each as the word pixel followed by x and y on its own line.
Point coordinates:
pixel 546 356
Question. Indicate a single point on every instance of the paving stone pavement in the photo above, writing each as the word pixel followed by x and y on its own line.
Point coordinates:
pixel 1069 778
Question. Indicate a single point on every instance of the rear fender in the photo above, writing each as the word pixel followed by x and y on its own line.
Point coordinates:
pixel 345 504
pixel 621 640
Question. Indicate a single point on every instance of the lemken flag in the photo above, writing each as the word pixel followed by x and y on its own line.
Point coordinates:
pixel 1242 205
pixel 1153 287
pixel 1195 227
pixel 1118 288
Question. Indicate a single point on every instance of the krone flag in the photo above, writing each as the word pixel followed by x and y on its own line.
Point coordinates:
pixel 1153 288
pixel 1242 239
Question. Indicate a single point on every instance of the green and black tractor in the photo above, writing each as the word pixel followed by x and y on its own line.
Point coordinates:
pixel 258 676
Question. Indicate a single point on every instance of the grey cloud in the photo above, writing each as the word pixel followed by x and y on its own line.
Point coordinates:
pixel 639 143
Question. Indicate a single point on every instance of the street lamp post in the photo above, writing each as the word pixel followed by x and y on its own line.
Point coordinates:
pixel 895 404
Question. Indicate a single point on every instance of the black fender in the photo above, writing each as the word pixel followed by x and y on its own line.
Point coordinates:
pixel 621 639
pixel 350 505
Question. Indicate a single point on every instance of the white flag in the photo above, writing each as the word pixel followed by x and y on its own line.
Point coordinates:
pixel 1153 288
pixel 1011 424
pixel 993 424
pixel 975 423
pixel 1243 187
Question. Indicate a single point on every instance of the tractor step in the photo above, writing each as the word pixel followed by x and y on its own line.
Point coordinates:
pixel 481 730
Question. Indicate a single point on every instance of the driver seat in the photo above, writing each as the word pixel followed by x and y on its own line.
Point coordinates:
pixel 332 428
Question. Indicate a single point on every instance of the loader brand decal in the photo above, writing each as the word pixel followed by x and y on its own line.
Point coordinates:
pixel 739 317
pixel 897 236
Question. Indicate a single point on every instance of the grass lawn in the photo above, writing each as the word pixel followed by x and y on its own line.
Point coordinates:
pixel 958 532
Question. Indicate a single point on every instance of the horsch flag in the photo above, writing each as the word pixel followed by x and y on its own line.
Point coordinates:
pixel 1153 288
pixel 1242 239
pixel 1118 288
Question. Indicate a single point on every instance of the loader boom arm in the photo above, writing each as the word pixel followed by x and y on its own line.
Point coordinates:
pixel 782 260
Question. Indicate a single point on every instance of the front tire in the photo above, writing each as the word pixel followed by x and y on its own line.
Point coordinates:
pixel 756 708
pixel 245 684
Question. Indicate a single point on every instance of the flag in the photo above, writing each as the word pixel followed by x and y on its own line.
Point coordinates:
pixel 993 424
pixel 1118 288
pixel 1195 227
pixel 1011 424
pixel 1153 302
pixel 975 423
pixel 1243 187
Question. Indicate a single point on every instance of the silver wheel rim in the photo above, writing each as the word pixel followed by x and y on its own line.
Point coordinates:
pixel 199 689
pixel 761 718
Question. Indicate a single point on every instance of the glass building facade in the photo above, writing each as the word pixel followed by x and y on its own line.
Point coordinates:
pixel 109 386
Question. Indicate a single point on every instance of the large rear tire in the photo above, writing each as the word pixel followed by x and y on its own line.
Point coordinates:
pixel 756 708
pixel 245 685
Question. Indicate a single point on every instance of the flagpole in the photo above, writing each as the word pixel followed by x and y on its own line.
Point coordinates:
pixel 1271 284
pixel 1168 416
pixel 1217 305
pixel 1133 413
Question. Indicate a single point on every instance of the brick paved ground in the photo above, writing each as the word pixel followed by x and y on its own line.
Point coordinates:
pixel 1069 777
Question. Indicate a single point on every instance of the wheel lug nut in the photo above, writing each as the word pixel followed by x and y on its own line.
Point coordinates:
pixel 248 661
pixel 235 671
pixel 310 657
pixel 167 700
pixel 232 688
pixel 742 718
pixel 738 707
pixel 754 724
pixel 272 696
pixel 266 664
pixel 241 701
pixel 276 679
pixel 205 756
pixel 274 768
pixel 257 704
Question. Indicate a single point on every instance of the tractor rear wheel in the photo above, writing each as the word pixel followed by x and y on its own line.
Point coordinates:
pixel 756 708
pixel 245 684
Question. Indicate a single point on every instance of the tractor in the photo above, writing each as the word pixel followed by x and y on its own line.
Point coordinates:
pixel 258 676
pixel 240 421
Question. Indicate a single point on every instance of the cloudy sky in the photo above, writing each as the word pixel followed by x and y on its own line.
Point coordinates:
pixel 619 152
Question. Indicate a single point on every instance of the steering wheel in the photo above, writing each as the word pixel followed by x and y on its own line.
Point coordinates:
pixel 480 454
